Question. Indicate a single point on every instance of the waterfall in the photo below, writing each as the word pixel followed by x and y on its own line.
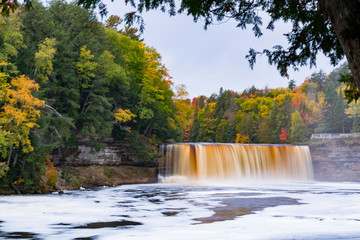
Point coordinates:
pixel 205 161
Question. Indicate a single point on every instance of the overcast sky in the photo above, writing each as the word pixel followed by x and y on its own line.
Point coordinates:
pixel 206 60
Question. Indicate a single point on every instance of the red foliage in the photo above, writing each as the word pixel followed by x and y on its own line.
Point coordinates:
pixel 194 100
pixel 283 136
pixel 186 136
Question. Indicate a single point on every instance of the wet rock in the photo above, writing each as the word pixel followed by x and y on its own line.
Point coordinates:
pixel 114 224
pixel 231 208
pixel 170 213
pixel 87 238
pixel 18 235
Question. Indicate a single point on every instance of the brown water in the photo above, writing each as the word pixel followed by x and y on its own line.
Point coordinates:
pixel 237 161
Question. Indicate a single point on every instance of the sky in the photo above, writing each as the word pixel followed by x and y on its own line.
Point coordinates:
pixel 206 60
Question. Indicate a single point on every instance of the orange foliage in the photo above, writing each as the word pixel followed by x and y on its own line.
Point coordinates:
pixel 298 99
pixel 50 172
pixel 240 138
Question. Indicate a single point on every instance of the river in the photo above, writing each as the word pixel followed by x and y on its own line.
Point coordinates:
pixel 245 210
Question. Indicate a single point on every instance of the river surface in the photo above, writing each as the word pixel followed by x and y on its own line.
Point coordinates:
pixel 311 210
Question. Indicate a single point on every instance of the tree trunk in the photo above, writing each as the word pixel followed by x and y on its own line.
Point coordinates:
pixel 344 16
pixel 15 160
pixel 148 127
pixel 9 155
pixel 14 188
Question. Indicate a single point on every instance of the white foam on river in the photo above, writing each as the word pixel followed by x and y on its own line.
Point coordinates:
pixel 312 210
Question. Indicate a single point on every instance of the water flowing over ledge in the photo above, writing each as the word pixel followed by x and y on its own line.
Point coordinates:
pixel 221 161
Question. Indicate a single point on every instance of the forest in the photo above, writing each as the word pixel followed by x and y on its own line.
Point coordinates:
pixel 281 115
pixel 67 78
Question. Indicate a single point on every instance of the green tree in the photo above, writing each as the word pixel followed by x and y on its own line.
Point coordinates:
pixel 265 132
pixel 113 22
pixel 11 41
pixel 299 132
pixel 283 116
pixel 335 119
pixel 340 119
pixel 319 79
pixel 292 84
pixel 316 26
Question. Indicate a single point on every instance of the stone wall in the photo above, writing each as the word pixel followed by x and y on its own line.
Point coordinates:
pixel 336 160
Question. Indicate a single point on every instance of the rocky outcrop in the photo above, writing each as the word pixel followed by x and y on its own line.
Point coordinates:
pixel 117 163
pixel 336 160
pixel 114 154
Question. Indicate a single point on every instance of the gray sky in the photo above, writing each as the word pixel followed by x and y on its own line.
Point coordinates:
pixel 206 60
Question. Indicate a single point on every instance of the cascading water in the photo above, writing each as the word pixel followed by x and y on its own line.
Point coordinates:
pixel 205 161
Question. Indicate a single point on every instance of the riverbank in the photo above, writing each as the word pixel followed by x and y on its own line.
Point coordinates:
pixel 75 177
pixel 117 164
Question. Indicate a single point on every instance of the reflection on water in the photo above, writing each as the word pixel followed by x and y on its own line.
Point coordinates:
pixel 160 211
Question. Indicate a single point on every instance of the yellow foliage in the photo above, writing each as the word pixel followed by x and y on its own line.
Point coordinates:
pixel 19 113
pixel 281 97
pixel 86 67
pixel 123 116
pixel 240 138
pixel 211 106
pixel 19 181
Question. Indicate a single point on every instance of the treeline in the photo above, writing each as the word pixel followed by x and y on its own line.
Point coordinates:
pixel 282 115
pixel 65 77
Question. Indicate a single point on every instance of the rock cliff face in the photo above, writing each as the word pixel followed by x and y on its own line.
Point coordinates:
pixel 115 164
pixel 114 154
pixel 336 160
pixel 333 160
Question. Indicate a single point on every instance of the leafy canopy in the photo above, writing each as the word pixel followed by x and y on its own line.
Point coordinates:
pixel 310 32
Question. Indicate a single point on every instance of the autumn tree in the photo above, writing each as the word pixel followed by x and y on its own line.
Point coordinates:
pixel 19 114
pixel 284 135
pixel 240 138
